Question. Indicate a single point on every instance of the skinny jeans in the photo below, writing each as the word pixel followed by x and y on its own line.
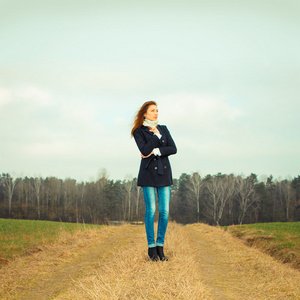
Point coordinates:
pixel 163 194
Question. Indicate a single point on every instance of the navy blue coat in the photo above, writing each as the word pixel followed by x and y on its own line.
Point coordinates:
pixel 155 170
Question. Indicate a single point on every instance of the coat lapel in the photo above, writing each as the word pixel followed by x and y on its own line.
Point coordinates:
pixel 162 141
pixel 146 129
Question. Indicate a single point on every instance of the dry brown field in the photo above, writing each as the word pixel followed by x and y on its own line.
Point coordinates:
pixel 111 263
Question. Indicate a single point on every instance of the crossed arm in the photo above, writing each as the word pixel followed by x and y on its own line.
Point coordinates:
pixel 155 130
pixel 153 145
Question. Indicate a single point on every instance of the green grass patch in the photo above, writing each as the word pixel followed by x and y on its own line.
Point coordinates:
pixel 18 237
pixel 281 240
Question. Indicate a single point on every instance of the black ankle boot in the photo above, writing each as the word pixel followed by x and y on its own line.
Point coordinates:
pixel 152 252
pixel 160 252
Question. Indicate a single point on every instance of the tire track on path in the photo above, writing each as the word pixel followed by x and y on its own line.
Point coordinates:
pixel 111 263
pixel 234 271
pixel 129 274
pixel 46 274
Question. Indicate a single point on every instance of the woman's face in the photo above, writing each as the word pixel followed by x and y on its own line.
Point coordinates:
pixel 152 113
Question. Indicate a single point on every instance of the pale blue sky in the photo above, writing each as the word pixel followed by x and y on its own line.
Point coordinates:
pixel 225 74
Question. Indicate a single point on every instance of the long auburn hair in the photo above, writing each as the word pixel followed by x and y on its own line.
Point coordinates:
pixel 139 118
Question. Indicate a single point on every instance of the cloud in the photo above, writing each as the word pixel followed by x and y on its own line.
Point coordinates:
pixel 5 96
pixel 226 82
pixel 193 112
pixel 33 94
pixel 51 135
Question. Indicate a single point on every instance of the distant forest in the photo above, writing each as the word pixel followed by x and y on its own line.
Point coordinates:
pixel 214 199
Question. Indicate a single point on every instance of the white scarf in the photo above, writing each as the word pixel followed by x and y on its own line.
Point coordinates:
pixel 149 123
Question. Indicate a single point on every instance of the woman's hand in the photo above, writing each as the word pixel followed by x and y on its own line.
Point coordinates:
pixel 154 130
pixel 143 156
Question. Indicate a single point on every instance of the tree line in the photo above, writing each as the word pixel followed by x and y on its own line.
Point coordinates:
pixel 219 199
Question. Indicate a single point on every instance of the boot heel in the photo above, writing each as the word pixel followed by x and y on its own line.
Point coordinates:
pixel 152 253
pixel 160 252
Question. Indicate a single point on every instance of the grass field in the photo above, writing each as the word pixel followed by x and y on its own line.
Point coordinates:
pixel 111 262
pixel 19 237
pixel 280 240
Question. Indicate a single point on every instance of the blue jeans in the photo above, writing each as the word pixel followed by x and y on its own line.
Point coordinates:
pixel 163 194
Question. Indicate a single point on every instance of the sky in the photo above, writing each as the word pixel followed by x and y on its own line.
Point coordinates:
pixel 225 75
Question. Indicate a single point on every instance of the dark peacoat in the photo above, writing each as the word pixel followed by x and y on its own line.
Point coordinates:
pixel 155 170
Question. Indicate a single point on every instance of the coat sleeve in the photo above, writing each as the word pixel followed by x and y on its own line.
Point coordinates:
pixel 144 146
pixel 170 148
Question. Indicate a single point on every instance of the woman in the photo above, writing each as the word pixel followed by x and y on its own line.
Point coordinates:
pixel 155 144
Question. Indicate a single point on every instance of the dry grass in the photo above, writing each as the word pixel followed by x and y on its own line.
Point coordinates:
pixel 48 268
pixel 23 237
pixel 276 239
pixel 111 263
pixel 235 271
pixel 129 274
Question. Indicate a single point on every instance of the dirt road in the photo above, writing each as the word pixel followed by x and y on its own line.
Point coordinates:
pixel 111 263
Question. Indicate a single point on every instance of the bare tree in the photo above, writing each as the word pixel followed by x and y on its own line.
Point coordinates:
pixel 195 186
pixel 81 204
pixel 221 189
pixel 9 185
pixel 227 192
pixel 137 196
pixel 245 188
pixel 52 191
pixel 211 186
pixel 98 211
pixel 128 190
pixel 286 197
pixel 37 183
pixel 27 187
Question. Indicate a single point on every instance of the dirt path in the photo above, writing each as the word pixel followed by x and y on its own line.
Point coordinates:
pixel 54 269
pixel 204 263
pixel 235 271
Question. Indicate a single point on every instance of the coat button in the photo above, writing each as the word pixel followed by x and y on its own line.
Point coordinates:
pixel 155 168
pixel 163 141
pixel 154 159
pixel 165 167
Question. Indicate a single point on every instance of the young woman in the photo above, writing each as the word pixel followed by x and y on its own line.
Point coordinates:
pixel 155 144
